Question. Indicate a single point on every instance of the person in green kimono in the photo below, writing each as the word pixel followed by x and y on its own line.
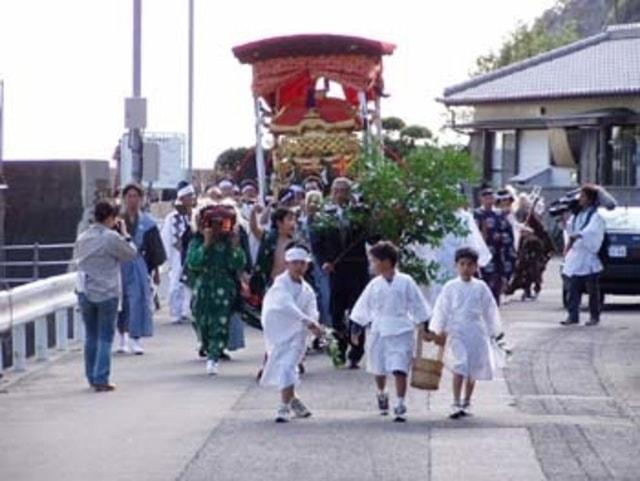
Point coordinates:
pixel 214 260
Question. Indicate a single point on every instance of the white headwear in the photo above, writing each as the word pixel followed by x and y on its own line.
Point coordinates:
pixel 186 190
pixel 296 254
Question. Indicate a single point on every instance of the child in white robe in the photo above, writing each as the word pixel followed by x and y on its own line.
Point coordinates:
pixel 289 310
pixel 467 315
pixel 390 307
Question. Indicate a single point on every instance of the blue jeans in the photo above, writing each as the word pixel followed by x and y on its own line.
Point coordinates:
pixel 99 320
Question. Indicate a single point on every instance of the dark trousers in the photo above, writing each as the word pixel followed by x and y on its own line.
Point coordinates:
pixel 347 283
pixel 576 285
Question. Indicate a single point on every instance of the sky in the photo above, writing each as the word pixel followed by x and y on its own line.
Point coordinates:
pixel 67 64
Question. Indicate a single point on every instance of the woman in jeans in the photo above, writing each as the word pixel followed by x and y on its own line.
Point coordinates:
pixel 99 252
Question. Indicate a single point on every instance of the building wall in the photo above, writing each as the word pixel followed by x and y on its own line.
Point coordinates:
pixel 528 110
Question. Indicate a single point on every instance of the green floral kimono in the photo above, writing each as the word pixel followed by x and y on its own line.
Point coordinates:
pixel 214 271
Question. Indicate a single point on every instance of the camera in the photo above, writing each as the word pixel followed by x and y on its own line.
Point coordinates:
pixel 566 203
pixel 221 218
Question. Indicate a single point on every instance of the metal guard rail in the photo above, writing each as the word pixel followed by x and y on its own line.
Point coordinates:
pixel 37 302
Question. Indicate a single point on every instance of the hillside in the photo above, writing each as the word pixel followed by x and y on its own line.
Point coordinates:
pixel 565 22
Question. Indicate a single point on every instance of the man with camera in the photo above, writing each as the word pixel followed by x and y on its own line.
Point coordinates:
pixel 100 250
pixel 582 266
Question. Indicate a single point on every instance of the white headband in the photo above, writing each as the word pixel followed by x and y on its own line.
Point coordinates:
pixel 186 190
pixel 296 254
pixel 225 184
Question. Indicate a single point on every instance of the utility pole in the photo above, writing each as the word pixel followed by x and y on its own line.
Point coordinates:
pixel 190 95
pixel 137 104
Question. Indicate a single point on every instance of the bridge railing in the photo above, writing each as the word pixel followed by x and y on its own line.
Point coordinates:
pixel 40 317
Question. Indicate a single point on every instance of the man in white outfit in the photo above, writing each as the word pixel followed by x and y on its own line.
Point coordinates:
pixel 582 266
pixel 175 230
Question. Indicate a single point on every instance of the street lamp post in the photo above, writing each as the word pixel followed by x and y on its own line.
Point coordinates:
pixel 135 136
pixel 190 94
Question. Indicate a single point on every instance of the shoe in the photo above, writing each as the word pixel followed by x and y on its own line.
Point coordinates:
pixel 104 387
pixel 202 352
pixel 353 366
pixel 592 322
pixel 568 322
pixel 456 411
pixel 466 408
pixel 212 367
pixel 136 347
pixel 282 414
pixel 383 404
pixel 123 344
pixel 225 357
pixel 299 409
pixel 399 413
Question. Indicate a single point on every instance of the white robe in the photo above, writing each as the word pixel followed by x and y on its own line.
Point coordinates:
pixel 444 254
pixel 468 313
pixel 174 226
pixel 287 310
pixel 390 311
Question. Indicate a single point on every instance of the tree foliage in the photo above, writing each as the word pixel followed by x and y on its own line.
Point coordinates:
pixel 401 138
pixel 526 42
pixel 229 160
pixel 412 202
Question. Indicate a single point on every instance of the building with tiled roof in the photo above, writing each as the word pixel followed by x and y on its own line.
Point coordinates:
pixel 568 116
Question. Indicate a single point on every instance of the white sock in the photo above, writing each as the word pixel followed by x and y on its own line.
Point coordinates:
pixel 400 401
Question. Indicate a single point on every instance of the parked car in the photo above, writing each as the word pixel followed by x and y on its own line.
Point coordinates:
pixel 620 253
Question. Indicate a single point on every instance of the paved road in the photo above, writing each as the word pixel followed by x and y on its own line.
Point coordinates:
pixel 568 407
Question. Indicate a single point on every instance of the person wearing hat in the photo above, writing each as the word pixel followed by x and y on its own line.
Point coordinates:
pixel 289 312
pixel 176 234
pixel 136 317
pixel 497 233
pixel 227 188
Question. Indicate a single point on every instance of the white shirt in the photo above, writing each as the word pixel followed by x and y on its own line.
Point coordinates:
pixel 582 258
pixel 391 308
pixel 287 309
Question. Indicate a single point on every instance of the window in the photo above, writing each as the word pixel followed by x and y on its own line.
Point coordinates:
pixel 624 151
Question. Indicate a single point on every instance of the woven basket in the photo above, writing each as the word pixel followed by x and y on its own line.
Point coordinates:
pixel 426 373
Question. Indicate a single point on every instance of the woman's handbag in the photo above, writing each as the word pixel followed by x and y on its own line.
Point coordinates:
pixel 426 373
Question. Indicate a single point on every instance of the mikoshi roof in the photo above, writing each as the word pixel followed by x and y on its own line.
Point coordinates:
pixel 309 45
pixel 607 64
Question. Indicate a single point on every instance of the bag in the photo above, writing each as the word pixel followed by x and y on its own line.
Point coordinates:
pixel 426 373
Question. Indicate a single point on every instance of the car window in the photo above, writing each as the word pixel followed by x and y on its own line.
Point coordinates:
pixel 621 218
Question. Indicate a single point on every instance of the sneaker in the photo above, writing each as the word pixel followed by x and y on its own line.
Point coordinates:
pixel 123 344
pixel 400 413
pixel 592 322
pixel 456 411
pixel 282 414
pixel 383 403
pixel 212 367
pixel 466 408
pixel 299 409
pixel 136 346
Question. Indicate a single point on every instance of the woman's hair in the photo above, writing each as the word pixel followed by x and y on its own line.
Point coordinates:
pixel 385 250
pixel 313 196
pixel 467 253
pixel 103 210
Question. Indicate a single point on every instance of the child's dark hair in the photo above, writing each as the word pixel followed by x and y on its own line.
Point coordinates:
pixel 467 253
pixel 385 250
pixel 297 245
pixel 103 210
pixel 279 214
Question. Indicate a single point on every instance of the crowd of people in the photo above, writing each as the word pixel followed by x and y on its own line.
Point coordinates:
pixel 300 264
